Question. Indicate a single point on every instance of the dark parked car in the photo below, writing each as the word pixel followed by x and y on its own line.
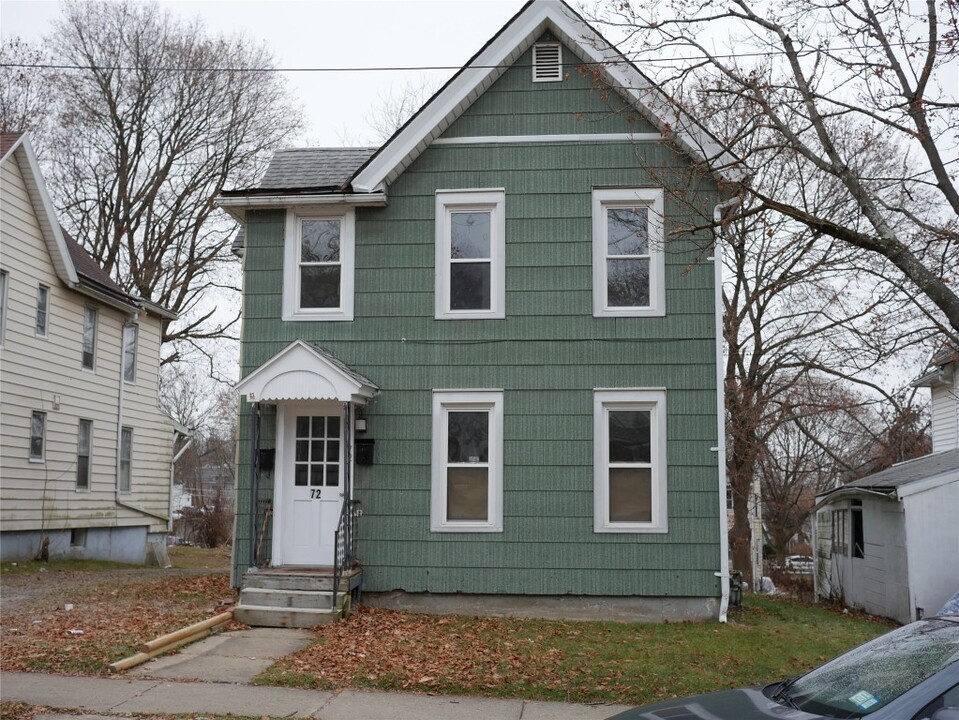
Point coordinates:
pixel 911 673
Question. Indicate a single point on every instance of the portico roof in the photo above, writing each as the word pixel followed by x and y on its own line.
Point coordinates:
pixel 302 371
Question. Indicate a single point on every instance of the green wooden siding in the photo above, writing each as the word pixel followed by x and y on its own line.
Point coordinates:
pixel 547 355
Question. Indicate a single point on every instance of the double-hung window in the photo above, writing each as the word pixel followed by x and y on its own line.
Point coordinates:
pixel 319 265
pixel 130 352
pixel 43 310
pixel 628 255
pixel 629 446
pixel 467 488
pixel 89 337
pixel 84 451
pixel 38 434
pixel 125 464
pixel 470 254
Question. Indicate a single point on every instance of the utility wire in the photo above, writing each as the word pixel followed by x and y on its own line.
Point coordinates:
pixel 425 68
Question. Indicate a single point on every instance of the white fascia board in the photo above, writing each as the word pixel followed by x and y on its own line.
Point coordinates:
pixel 45 212
pixel 929 483
pixel 237 206
pixel 513 41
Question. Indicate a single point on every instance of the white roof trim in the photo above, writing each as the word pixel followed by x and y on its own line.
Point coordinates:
pixel 300 372
pixel 44 210
pixel 237 206
pixel 491 62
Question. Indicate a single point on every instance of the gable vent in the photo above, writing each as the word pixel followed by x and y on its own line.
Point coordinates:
pixel 547 62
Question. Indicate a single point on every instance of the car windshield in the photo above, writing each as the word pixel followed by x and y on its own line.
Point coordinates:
pixel 873 675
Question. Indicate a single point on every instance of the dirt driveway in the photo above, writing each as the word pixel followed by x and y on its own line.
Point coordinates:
pixel 23 589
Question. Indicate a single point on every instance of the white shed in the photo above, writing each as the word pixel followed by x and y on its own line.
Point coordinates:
pixel 889 543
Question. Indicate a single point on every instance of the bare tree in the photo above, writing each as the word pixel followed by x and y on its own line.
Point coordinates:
pixel 397 106
pixel 25 93
pixel 153 118
pixel 860 96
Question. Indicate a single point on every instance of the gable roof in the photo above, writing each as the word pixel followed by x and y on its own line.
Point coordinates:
pixel 303 371
pixel 320 168
pixel 497 55
pixel 72 264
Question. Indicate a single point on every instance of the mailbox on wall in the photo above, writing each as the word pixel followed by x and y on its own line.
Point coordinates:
pixel 364 451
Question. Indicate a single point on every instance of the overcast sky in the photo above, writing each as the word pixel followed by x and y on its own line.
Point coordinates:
pixel 330 33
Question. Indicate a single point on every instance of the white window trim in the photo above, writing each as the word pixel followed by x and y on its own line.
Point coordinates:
pixel 291 264
pixel 135 329
pixel 604 199
pixel 77 486
pixel 4 295
pixel 96 328
pixel 43 291
pixel 448 201
pixel 42 457
pixel 458 400
pixel 120 459
pixel 653 400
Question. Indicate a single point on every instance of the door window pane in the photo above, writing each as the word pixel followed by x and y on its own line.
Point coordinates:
pixel 317 460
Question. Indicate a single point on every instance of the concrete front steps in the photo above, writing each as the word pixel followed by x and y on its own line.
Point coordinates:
pixel 294 597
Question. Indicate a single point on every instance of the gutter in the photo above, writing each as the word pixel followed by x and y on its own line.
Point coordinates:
pixel 723 573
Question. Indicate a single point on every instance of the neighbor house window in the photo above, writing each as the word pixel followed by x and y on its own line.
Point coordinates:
pixel 629 482
pixel 89 337
pixel 43 310
pixel 858 538
pixel 628 257
pixel 38 432
pixel 3 304
pixel 125 469
pixel 84 450
pixel 130 352
pixel 470 254
pixel 319 265
pixel 840 533
pixel 467 487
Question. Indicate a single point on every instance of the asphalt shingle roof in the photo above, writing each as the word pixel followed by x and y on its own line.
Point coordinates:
pixel 910 471
pixel 299 168
pixel 88 269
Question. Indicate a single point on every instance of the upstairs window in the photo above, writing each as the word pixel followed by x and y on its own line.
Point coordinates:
pixel 467 487
pixel 628 257
pixel 130 352
pixel 470 254
pixel 43 310
pixel 319 266
pixel 38 434
pixel 89 337
pixel 629 485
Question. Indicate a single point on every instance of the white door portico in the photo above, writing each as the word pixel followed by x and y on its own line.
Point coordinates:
pixel 315 396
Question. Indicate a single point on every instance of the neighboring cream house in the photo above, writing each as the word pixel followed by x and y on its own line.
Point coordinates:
pixel 85 453
pixel 889 543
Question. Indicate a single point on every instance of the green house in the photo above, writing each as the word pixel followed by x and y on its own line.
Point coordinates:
pixel 479 363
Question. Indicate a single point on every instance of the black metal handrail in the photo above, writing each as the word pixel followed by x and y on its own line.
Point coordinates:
pixel 344 554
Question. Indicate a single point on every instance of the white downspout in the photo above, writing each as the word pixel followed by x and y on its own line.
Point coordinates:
pixel 717 259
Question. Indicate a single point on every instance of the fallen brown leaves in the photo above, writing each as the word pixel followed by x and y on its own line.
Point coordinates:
pixel 106 624
pixel 427 653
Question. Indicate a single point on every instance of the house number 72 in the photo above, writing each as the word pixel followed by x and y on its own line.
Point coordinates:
pixel 314 493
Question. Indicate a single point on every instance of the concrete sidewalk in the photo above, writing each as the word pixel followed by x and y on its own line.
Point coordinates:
pixel 120 695
pixel 210 676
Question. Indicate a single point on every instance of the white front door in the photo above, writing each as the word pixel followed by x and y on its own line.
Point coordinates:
pixel 309 483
